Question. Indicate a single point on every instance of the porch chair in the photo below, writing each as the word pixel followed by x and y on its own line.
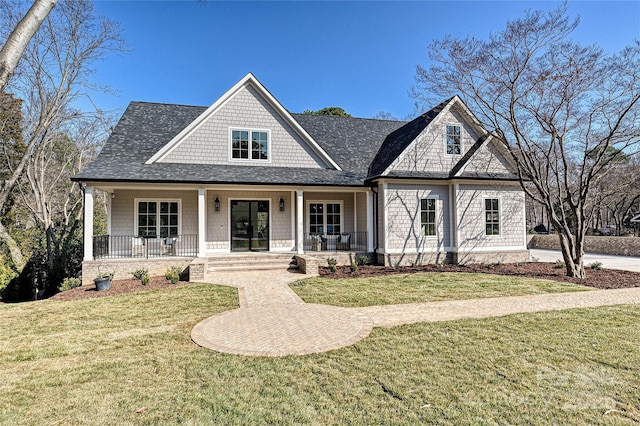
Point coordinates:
pixel 168 245
pixel 137 246
pixel 318 243
pixel 344 242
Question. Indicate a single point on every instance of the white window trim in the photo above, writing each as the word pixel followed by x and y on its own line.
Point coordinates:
pixel 484 216
pixel 444 128
pixel 325 202
pixel 248 160
pixel 137 201
pixel 437 214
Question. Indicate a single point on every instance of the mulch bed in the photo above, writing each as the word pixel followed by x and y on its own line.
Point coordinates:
pixel 117 287
pixel 602 279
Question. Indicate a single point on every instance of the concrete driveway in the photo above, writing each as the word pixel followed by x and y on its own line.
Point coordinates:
pixel 625 263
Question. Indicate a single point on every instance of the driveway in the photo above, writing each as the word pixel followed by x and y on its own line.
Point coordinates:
pixel 625 263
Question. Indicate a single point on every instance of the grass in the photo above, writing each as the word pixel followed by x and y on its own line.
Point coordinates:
pixel 422 287
pixel 97 362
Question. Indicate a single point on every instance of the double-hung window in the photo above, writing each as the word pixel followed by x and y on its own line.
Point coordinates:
pixel 453 140
pixel 250 145
pixel 325 218
pixel 158 218
pixel 428 217
pixel 492 216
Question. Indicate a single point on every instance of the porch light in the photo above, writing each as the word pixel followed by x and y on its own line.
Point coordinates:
pixel 216 204
pixel 281 204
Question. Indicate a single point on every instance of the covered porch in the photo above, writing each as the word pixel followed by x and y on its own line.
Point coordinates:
pixel 153 221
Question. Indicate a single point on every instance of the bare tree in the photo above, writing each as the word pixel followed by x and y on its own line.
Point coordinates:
pixel 55 73
pixel 558 106
pixel 19 38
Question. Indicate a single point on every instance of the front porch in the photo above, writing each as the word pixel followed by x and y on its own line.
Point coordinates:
pixel 168 222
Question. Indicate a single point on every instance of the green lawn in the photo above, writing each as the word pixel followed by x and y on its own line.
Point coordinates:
pixel 422 287
pixel 96 362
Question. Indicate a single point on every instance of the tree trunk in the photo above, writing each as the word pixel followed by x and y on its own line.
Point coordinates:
pixel 14 250
pixel 573 253
pixel 19 38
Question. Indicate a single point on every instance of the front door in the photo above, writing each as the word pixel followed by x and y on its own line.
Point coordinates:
pixel 249 225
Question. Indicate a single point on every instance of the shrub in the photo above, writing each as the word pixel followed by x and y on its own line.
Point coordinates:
pixel 109 275
pixel 332 264
pixel 140 273
pixel 596 265
pixel 173 274
pixel 145 279
pixel 362 260
pixel 69 283
pixel 354 267
pixel 559 264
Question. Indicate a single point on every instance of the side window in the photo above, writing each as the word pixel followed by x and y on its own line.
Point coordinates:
pixel 492 216
pixel 428 217
pixel 453 140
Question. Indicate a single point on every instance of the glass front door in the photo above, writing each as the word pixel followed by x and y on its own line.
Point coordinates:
pixel 249 225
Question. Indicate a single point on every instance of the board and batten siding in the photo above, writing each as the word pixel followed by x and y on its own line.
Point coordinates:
pixel 404 218
pixel 428 153
pixel 471 217
pixel 210 142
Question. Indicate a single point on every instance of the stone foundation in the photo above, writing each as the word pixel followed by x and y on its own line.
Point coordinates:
pixel 123 268
pixel 621 246
pixel 197 270
pixel 413 259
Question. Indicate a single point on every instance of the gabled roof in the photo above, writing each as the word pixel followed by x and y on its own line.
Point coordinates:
pixel 247 80
pixel 397 142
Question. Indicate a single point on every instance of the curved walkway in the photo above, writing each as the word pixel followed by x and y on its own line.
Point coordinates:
pixel 273 321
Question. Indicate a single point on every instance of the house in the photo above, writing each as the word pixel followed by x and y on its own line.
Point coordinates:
pixel 188 183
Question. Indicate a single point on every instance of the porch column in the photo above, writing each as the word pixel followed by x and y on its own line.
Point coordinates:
pixel 370 224
pixel 202 211
pixel 88 223
pixel 300 221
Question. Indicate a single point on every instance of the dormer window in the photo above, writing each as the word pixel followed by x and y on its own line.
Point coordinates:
pixel 249 145
pixel 453 140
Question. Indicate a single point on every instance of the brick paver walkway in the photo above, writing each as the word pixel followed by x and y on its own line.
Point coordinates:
pixel 273 321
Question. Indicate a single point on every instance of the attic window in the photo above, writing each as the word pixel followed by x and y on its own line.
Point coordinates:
pixel 250 145
pixel 453 140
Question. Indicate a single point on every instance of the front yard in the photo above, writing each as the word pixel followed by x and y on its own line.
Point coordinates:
pixel 128 359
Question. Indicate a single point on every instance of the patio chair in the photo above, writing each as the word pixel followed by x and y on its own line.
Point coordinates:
pixel 318 243
pixel 344 241
pixel 137 246
pixel 168 246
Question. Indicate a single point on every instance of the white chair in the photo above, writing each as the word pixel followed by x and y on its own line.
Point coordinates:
pixel 137 246
pixel 168 245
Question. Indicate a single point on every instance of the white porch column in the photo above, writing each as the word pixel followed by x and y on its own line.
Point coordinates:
pixel 88 223
pixel 300 221
pixel 370 224
pixel 202 216
pixel 109 203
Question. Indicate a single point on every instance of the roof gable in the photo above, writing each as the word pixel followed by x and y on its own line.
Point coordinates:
pixel 259 94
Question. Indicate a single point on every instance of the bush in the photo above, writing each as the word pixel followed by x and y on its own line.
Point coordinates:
pixel 332 264
pixel 173 274
pixel 69 283
pixel 354 267
pixel 362 260
pixel 596 265
pixel 140 273
pixel 145 279
pixel 559 264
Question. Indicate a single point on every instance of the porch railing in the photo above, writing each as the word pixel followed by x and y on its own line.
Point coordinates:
pixel 344 241
pixel 131 246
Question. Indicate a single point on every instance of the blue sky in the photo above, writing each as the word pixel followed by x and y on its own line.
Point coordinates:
pixel 357 55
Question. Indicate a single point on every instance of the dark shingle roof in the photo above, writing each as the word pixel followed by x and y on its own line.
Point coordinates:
pixel 146 127
pixel 397 142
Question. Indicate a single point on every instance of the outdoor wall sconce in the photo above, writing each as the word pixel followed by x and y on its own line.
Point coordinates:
pixel 281 204
pixel 216 204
